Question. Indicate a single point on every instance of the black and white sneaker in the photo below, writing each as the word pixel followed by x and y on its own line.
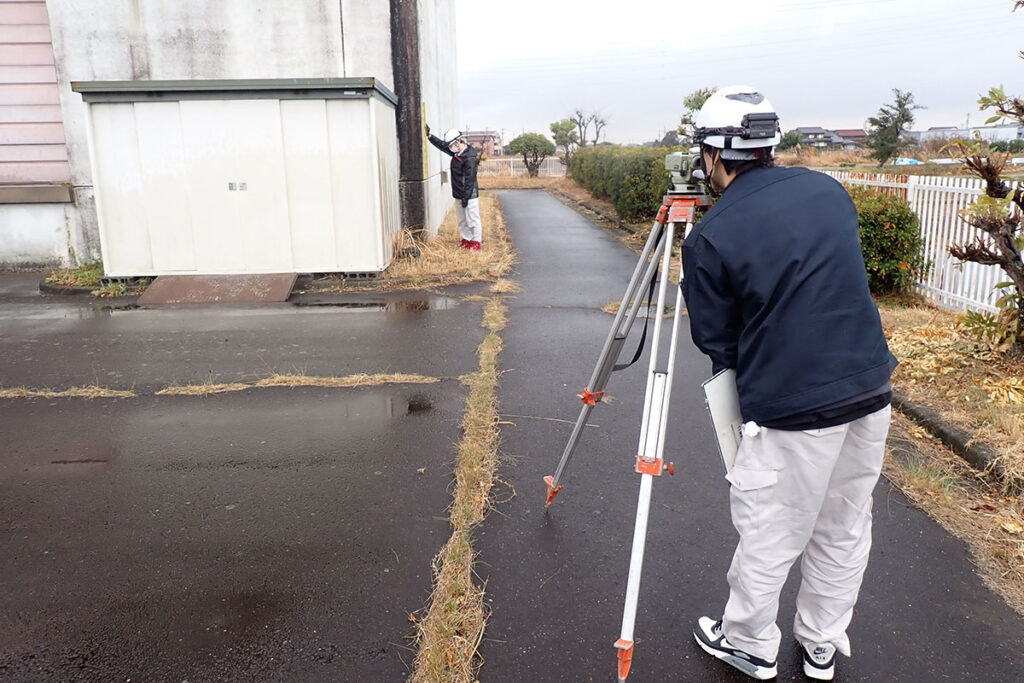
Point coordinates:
pixel 819 661
pixel 711 639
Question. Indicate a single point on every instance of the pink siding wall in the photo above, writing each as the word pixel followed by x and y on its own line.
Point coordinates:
pixel 32 148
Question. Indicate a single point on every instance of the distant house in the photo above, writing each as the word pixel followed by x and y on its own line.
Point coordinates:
pixel 815 136
pixel 998 133
pixel 856 135
pixel 487 141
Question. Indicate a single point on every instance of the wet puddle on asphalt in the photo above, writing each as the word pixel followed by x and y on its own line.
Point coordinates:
pixel 54 311
pixel 402 305
pixel 359 415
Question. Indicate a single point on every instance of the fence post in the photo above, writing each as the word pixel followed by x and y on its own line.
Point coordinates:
pixel 912 181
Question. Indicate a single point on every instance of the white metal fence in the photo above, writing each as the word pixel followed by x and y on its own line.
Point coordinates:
pixel 551 166
pixel 937 201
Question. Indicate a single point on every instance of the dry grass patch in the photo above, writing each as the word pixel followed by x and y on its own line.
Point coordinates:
pixel 84 276
pixel 357 380
pixel 503 286
pixel 437 261
pixel 501 182
pixel 979 392
pixel 563 183
pixel 441 261
pixel 91 391
pixel 278 380
pixel 450 633
pixel 987 519
pixel 202 389
pixel 971 387
pixel 823 157
pixel 645 306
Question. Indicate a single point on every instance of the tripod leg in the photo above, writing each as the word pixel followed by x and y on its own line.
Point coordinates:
pixel 645 270
pixel 650 463
pixel 636 560
pixel 625 642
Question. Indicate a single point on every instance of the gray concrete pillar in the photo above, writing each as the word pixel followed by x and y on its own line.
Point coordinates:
pixel 405 62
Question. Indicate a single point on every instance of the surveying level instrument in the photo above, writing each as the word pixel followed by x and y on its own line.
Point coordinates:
pixel 686 194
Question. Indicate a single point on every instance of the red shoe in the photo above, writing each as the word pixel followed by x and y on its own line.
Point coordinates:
pixel 464 244
pixel 473 246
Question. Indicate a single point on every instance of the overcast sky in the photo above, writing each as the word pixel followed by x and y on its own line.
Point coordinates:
pixel 830 63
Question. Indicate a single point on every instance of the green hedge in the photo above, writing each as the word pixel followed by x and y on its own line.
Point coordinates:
pixel 633 178
pixel 890 239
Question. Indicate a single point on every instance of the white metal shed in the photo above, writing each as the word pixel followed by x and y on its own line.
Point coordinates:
pixel 244 176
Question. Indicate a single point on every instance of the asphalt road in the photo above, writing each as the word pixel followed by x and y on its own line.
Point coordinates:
pixel 286 534
pixel 556 578
pixel 269 534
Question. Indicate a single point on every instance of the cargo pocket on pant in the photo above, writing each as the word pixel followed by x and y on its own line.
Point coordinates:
pixel 751 479
pixel 748 498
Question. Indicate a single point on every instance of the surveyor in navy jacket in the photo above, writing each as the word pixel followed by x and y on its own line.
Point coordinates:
pixel 776 290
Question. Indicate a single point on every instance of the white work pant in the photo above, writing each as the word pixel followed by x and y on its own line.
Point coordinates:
pixel 804 492
pixel 470 227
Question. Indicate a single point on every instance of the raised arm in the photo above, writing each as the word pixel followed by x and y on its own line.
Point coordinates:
pixel 439 143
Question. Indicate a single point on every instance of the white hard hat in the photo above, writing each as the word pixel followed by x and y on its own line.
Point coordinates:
pixel 453 135
pixel 737 120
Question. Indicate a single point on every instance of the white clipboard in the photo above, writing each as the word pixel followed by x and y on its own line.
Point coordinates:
pixel 723 402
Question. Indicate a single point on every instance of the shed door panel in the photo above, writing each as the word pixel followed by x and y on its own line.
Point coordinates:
pixel 263 205
pixel 121 202
pixel 308 171
pixel 352 182
pixel 209 168
pixel 168 208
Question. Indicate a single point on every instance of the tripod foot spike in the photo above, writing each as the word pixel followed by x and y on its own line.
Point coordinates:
pixel 625 648
pixel 552 491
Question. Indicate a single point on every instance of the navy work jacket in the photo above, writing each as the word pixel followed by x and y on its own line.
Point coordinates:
pixel 463 168
pixel 775 287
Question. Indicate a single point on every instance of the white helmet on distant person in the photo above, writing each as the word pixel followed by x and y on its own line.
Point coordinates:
pixel 739 121
pixel 452 136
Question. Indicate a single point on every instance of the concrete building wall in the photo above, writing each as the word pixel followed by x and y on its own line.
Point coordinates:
pixel 196 40
pixel 440 95
pixel 34 235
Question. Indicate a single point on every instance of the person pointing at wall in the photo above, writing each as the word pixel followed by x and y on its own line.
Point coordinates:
pixel 464 188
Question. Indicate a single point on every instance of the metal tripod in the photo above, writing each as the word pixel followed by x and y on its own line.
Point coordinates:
pixel 675 210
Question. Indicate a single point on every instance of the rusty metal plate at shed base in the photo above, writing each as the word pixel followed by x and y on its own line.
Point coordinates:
pixel 206 289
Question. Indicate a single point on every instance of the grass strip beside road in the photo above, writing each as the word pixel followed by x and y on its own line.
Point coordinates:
pixel 988 520
pixel 357 380
pixel 91 391
pixel 450 633
pixel 973 388
pixel 980 392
